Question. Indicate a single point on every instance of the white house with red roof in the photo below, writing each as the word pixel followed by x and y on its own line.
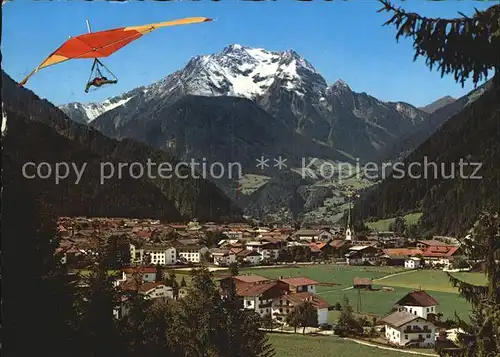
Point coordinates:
pixel 284 304
pixel 409 325
pixel 148 273
pixel 405 329
pixel 277 298
pixel 299 284
pixel 419 303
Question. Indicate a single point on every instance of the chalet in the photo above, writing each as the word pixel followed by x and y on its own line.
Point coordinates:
pixel 149 290
pixel 284 304
pixel 275 297
pixel 222 257
pixel 259 296
pixel 339 247
pixel 148 274
pixel 307 234
pixel 419 303
pixel 442 255
pixel 403 328
pixel 265 248
pixel 413 263
pixel 362 283
pixel 398 256
pixel 249 256
pixel 299 284
pixel 233 234
pixel 361 254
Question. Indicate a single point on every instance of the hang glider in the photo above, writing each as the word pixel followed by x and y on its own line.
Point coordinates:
pixel 94 45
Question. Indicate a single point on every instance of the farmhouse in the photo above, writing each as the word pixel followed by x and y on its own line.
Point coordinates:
pixel 398 256
pixel 413 263
pixel 276 298
pixel 403 328
pixel 307 234
pixel 250 256
pixel 147 274
pixel 222 257
pixel 299 284
pixel 361 254
pixel 419 303
pixel 442 255
pixel 287 302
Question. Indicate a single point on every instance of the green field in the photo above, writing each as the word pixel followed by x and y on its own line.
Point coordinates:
pixel 324 346
pixel 384 224
pixel 378 302
pixel 435 280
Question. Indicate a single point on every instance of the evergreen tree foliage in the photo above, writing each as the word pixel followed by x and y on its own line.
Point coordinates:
pixel 462 46
pixel 482 333
pixel 37 293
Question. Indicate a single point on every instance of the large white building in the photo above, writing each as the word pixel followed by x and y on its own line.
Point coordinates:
pixel 406 329
pixel 419 303
pixel 410 326
pixel 158 254
pixel 190 253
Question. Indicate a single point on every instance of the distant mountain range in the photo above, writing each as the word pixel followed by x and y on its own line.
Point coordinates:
pixel 284 84
pixel 438 104
pixel 244 103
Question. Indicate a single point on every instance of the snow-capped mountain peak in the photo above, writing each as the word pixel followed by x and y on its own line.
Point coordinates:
pixel 85 113
pixel 247 72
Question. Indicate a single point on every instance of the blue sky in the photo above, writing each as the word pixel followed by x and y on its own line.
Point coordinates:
pixel 341 39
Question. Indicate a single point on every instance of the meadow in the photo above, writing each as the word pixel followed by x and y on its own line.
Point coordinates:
pixel 323 346
pixel 384 224
pixel 379 302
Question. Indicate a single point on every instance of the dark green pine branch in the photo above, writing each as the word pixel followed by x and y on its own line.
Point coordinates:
pixel 463 46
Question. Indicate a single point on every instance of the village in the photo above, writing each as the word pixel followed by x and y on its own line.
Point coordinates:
pixel 152 249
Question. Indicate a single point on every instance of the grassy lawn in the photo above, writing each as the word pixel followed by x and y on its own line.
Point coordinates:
pixel 383 224
pixel 323 346
pixel 435 280
pixel 378 302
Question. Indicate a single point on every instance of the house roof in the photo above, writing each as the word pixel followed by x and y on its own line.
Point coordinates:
pixel 253 289
pixel 139 270
pixel 250 278
pixel 246 253
pixel 362 281
pixel 399 318
pixel 402 252
pixel 360 247
pixel 299 281
pixel 431 242
pixel 441 251
pixel 307 232
pixel 130 285
pixel 318 245
pixel 417 298
pixel 298 298
pixel 337 243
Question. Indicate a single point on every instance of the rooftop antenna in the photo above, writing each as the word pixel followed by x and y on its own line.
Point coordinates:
pixel 88 26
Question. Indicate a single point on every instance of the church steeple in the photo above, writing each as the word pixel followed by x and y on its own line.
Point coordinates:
pixel 349 231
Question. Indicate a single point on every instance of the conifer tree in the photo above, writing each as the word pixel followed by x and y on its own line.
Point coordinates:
pixel 462 46
pixel 37 293
pixel 482 334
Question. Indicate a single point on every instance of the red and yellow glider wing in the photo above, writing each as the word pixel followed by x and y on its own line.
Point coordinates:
pixel 104 43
